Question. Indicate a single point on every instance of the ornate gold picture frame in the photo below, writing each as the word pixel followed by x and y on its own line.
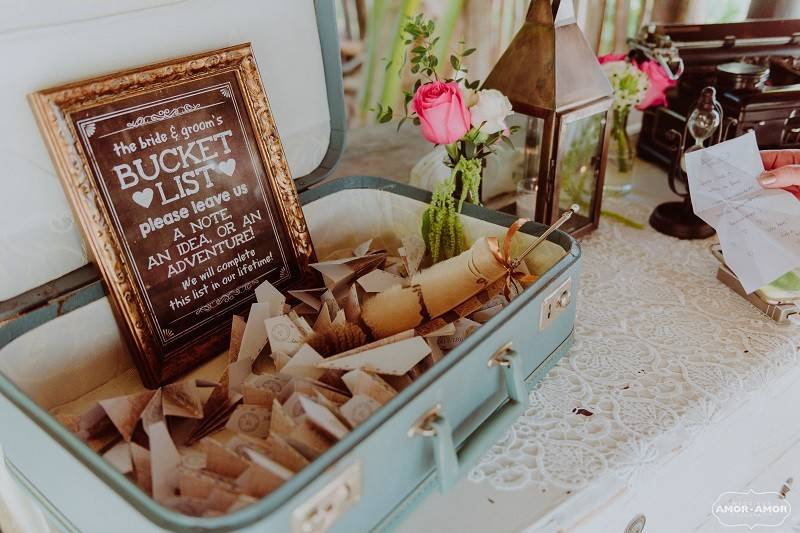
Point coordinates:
pixel 177 176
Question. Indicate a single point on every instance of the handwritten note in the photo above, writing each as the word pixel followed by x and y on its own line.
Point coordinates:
pixel 759 229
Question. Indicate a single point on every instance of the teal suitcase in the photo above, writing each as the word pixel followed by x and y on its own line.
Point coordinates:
pixel 424 440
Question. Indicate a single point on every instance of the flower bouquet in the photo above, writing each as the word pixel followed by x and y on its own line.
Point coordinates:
pixel 636 84
pixel 469 122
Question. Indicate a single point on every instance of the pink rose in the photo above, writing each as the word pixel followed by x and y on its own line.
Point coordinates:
pixel 659 83
pixel 443 116
pixel 608 58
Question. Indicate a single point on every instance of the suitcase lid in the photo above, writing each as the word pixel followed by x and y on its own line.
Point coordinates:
pixel 51 42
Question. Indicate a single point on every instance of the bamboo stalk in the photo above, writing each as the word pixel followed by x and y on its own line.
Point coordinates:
pixel 361 17
pixel 372 55
pixel 646 13
pixel 634 15
pixel 478 32
pixel 620 25
pixel 591 15
pixel 446 25
pixel 392 79
pixel 605 37
pixel 348 30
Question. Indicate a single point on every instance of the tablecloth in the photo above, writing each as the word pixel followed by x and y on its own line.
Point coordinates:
pixel 663 349
pixel 664 353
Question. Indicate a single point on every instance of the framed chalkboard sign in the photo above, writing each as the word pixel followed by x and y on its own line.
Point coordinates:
pixel 178 178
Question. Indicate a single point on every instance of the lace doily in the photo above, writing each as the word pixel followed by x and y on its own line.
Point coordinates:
pixel 662 350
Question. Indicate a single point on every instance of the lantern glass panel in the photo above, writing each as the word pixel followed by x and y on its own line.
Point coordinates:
pixel 578 166
pixel 527 140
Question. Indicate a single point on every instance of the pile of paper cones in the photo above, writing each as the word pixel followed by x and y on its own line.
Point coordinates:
pixel 207 448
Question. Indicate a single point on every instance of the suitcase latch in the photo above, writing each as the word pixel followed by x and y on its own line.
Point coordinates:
pixel 323 509
pixel 555 303
pixel 423 428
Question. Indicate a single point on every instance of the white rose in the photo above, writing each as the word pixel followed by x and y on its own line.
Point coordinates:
pixel 470 96
pixel 491 109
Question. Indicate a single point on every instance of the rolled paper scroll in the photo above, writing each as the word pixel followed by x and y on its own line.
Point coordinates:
pixel 434 291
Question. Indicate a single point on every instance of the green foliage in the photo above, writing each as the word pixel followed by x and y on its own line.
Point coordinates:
pixel 619 133
pixel 423 50
pixel 622 219
pixel 392 80
pixel 383 114
pixel 376 16
pixel 578 178
pixel 477 145
pixel 446 24
pixel 418 32
pixel 470 170
pixel 576 182
pixel 441 226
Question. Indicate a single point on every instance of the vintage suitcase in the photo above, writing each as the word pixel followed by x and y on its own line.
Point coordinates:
pixel 423 440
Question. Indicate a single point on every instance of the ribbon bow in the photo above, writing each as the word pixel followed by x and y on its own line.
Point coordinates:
pixel 512 276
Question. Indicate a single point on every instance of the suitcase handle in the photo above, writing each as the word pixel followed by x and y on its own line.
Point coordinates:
pixel 452 464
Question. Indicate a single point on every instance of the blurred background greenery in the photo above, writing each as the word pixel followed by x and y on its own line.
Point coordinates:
pixel 370 34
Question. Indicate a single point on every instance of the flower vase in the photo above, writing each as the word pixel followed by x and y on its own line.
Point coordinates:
pixel 498 172
pixel 619 168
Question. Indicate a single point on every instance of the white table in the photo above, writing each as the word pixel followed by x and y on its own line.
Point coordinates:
pixel 677 390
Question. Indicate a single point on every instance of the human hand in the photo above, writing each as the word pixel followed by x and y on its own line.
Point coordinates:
pixel 782 170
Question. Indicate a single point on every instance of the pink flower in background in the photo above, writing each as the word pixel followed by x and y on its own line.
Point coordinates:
pixel 659 83
pixel 443 116
pixel 608 58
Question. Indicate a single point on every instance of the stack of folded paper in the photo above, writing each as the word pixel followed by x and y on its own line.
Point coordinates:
pixel 297 379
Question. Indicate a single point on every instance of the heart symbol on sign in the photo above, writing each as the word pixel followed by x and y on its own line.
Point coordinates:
pixel 143 197
pixel 227 167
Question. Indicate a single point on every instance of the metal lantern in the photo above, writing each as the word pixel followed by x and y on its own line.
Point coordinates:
pixel 561 98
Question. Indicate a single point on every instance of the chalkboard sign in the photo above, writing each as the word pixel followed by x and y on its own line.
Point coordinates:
pixel 178 177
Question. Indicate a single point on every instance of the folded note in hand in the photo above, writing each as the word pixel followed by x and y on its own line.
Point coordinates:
pixel 759 229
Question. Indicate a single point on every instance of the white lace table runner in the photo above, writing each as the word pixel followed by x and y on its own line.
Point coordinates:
pixel 662 349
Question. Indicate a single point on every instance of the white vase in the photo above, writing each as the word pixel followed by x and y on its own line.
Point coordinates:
pixel 498 176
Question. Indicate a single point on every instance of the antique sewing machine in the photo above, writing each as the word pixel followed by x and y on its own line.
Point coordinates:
pixel 754 66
